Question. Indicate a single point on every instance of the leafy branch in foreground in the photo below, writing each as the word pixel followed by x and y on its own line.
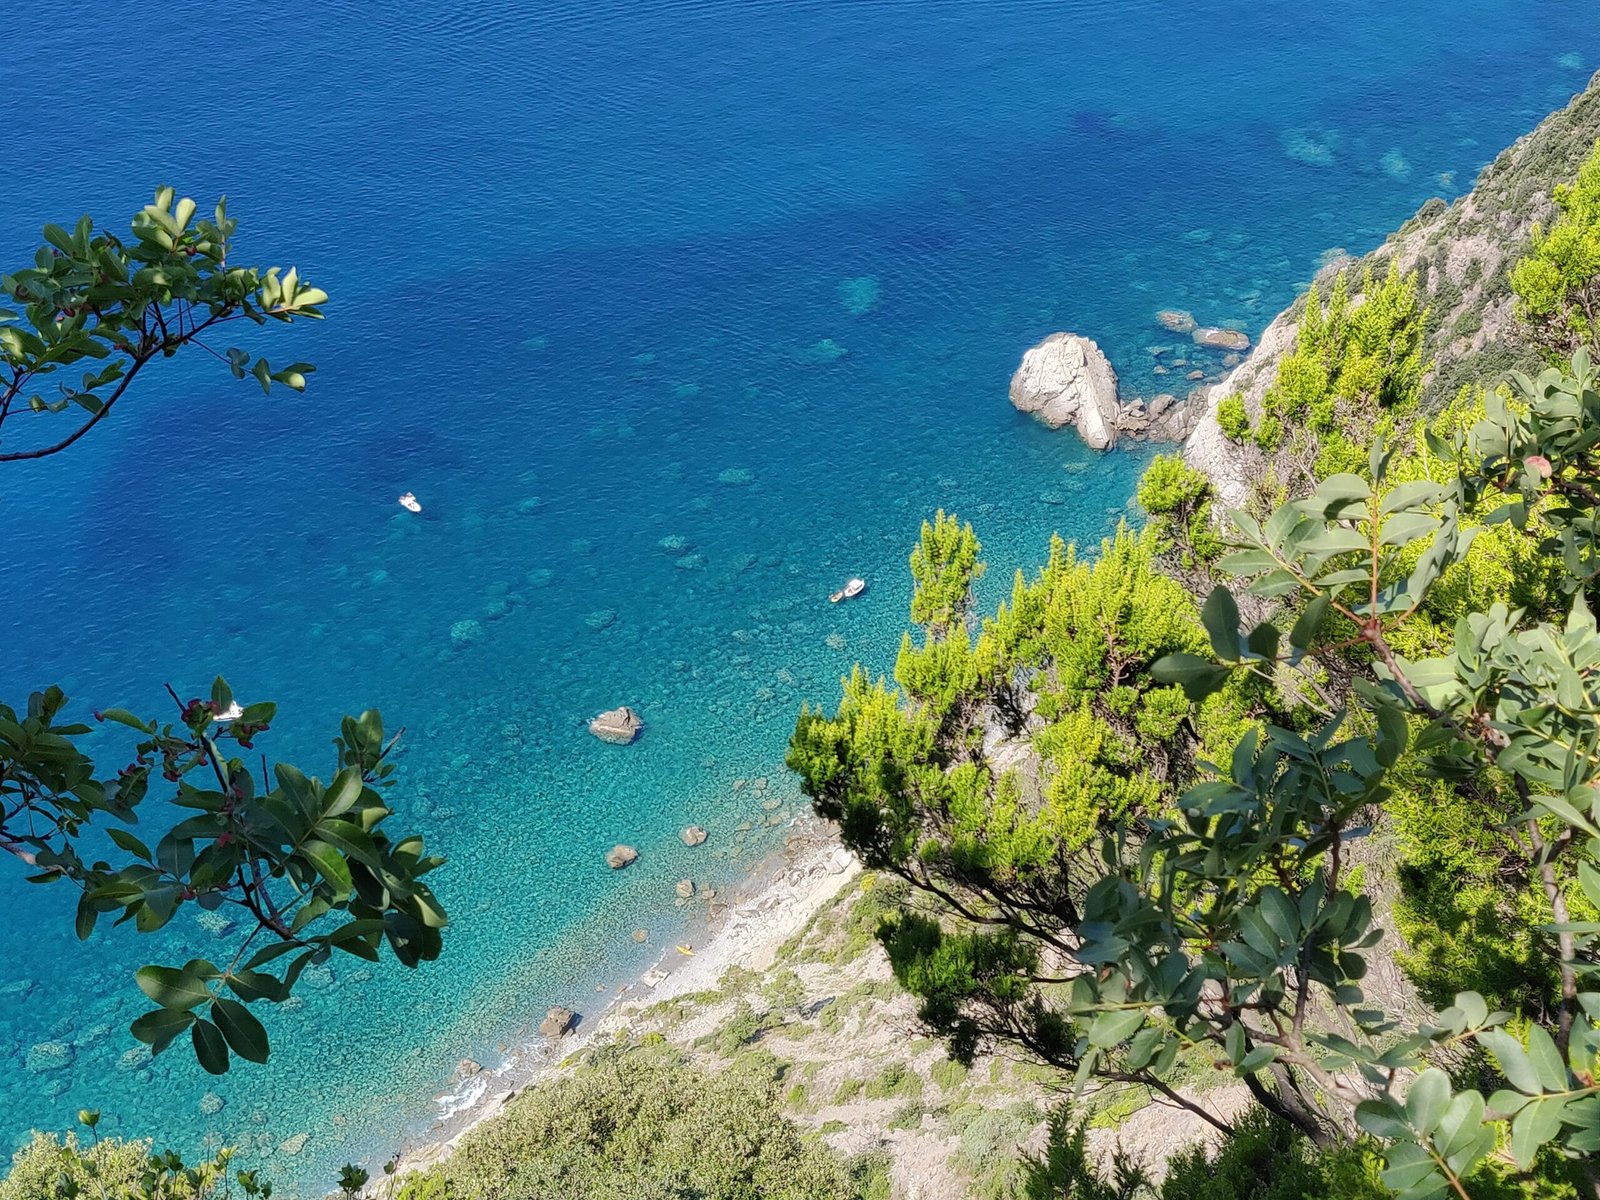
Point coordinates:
pixel 308 868
pixel 93 300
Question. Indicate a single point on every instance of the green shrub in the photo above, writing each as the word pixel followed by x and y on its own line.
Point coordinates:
pixel 895 1079
pixel 1233 419
pixel 115 1169
pixel 636 1122
pixel 949 1074
pixel 849 1090
pixel 870 1173
pixel 742 1028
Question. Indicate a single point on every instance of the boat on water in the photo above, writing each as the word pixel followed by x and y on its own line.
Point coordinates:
pixel 849 591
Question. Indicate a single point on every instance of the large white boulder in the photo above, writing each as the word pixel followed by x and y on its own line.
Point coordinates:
pixel 1067 380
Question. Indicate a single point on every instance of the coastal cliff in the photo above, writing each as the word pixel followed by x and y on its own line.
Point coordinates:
pixel 1462 255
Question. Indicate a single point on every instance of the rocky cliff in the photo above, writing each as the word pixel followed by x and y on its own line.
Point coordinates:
pixel 1462 254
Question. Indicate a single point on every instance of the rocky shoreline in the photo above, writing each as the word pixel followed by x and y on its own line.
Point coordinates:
pixel 777 899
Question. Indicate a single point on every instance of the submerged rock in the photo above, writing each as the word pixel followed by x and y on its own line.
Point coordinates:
pixel 1067 380
pixel 558 1022
pixel 1176 319
pixel 859 294
pixel 685 889
pixel 620 856
pixel 48 1056
pixel 618 725
pixel 465 633
pixel 825 351
pixel 1221 339
pixel 694 835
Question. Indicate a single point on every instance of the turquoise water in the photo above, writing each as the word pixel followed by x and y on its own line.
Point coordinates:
pixel 592 266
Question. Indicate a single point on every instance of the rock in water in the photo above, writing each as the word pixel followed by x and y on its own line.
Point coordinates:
pixel 1176 319
pixel 1221 339
pixel 558 1022
pixel 685 889
pixel 693 835
pixel 620 856
pixel 1066 380
pixel 619 725
pixel 48 1056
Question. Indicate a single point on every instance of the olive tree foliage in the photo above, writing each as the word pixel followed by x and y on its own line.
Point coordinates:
pixel 305 867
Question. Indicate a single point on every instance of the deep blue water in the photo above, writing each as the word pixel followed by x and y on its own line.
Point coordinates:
pixel 582 258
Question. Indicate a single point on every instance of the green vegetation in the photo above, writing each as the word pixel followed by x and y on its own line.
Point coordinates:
pixel 1558 285
pixel 1354 368
pixel 1233 419
pixel 948 1075
pixel 1177 498
pixel 308 868
pixel 50 1168
pixel 741 1029
pixel 635 1122
pixel 895 1080
pixel 1098 776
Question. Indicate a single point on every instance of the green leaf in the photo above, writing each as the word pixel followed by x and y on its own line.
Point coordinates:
pixel 1259 1056
pixel 1533 1127
pixel 1460 1123
pixel 1378 1118
pixel 245 1035
pixel 130 843
pixel 159 1027
pixel 342 793
pixel 84 919
pixel 1546 1061
pixel 210 1047
pixel 1310 621
pixel 123 717
pixel 171 987
pixel 1109 1028
pixel 330 864
pixel 1426 1101
pixel 1514 1062
pixel 1197 677
pixel 1220 616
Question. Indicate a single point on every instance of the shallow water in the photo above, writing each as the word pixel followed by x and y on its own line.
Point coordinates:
pixel 683 313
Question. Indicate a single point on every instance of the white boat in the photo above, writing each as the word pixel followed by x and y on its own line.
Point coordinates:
pixel 410 503
pixel 849 591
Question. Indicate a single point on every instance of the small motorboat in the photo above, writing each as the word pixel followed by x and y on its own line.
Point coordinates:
pixel 410 503
pixel 849 591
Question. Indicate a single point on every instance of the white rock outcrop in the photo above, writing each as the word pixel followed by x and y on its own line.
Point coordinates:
pixel 1067 380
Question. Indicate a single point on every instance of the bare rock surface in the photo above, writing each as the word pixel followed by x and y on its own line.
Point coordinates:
pixel 1221 339
pixel 1067 380
pixel 618 725
pixel 558 1022
pixel 620 856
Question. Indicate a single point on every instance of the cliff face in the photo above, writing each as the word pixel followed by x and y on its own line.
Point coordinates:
pixel 1462 254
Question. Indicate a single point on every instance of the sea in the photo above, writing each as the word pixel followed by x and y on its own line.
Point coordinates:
pixel 674 315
